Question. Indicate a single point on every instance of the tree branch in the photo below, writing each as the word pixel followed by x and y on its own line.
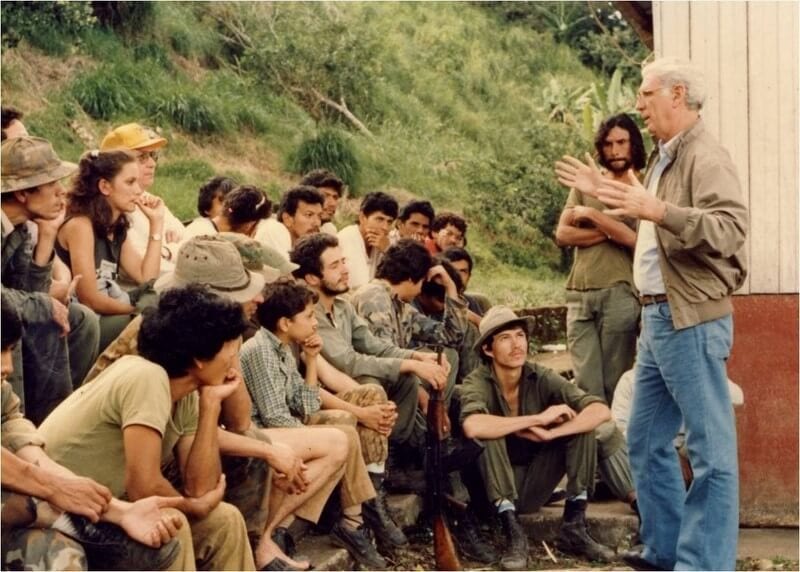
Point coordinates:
pixel 343 109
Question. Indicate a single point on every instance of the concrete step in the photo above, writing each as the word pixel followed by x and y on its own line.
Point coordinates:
pixel 612 523
pixel 324 555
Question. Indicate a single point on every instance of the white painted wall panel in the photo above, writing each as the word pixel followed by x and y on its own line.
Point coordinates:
pixel 786 126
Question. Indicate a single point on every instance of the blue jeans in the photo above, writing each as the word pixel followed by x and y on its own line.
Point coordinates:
pixel 680 376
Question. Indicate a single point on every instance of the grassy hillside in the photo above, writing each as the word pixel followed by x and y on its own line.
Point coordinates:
pixel 456 105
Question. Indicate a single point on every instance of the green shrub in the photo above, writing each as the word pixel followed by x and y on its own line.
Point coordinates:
pixel 331 150
pixel 49 26
pixel 106 92
pixel 189 111
pixel 154 52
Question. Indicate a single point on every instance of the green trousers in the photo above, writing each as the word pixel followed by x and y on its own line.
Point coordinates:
pixel 526 472
pixel 601 331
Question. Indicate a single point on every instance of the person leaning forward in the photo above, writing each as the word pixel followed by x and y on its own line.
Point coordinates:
pixel 536 426
pixel 33 200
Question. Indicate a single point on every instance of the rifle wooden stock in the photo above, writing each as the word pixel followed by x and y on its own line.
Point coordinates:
pixel 443 547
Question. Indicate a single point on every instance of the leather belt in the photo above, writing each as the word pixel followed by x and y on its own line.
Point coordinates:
pixel 647 299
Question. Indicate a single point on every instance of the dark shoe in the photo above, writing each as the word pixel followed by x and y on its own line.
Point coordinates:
pixel 635 560
pixel 516 553
pixel 377 517
pixel 358 544
pixel 108 547
pixel 574 539
pixel 470 542
pixel 285 541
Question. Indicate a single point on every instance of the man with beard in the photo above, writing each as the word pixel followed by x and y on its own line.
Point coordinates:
pixel 350 346
pixel 602 307
pixel 332 188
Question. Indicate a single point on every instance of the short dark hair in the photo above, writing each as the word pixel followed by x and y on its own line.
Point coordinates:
pixel 379 202
pixel 214 187
pixel 435 290
pixel 9 114
pixel 189 323
pixel 456 253
pixel 323 178
pixel 406 260
pixel 307 253
pixel 10 325
pixel 623 121
pixel 425 208
pixel 283 299
pixel 246 204
pixel 292 198
pixel 449 218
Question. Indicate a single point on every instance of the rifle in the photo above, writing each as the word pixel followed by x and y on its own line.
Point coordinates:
pixel 443 547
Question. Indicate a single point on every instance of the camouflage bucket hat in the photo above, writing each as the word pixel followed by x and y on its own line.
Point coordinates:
pixel 29 162
pixel 260 257
pixel 216 263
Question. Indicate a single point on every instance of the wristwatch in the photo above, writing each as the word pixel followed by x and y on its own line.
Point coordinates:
pixel 155 237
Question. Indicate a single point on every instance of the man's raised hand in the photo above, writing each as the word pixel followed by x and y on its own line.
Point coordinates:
pixel 631 199
pixel 575 174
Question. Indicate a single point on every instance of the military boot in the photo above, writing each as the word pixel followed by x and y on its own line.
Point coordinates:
pixel 574 537
pixel 376 516
pixel 470 542
pixel 516 553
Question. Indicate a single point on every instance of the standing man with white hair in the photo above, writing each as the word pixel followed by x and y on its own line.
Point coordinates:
pixel 687 263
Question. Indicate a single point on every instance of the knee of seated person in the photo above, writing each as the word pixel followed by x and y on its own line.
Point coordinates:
pixel 339 444
pixel 227 517
pixel 372 393
pixel 605 432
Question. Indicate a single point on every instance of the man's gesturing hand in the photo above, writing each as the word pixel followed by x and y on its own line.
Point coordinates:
pixel 573 173
pixel 631 200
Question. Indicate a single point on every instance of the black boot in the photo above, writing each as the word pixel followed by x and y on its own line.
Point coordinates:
pixel 376 516
pixel 516 553
pixel 108 547
pixel 574 538
pixel 470 542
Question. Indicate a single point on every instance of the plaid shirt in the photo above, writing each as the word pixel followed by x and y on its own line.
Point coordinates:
pixel 281 397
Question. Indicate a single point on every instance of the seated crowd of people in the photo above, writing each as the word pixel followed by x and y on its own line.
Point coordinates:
pixel 186 396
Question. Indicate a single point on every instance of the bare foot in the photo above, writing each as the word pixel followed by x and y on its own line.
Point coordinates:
pixel 267 550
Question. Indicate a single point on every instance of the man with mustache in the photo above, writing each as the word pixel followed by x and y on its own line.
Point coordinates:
pixel 602 307
pixel 536 427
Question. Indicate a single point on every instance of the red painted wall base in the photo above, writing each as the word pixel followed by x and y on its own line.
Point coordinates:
pixel 764 362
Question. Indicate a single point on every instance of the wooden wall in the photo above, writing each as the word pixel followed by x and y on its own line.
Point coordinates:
pixel 749 52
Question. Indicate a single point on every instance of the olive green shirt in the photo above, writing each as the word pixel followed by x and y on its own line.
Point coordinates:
pixel 600 265
pixel 540 388
pixel 85 432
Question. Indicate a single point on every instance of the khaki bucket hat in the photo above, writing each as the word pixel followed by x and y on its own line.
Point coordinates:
pixel 132 136
pixel 216 263
pixel 496 318
pixel 29 162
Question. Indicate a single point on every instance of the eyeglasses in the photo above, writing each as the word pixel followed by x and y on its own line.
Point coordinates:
pixel 143 156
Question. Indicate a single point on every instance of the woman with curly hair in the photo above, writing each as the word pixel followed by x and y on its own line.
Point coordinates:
pixel 93 239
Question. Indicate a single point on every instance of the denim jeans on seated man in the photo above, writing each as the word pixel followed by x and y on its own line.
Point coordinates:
pixel 681 377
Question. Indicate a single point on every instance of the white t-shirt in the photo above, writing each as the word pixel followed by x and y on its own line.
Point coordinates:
pixel 139 236
pixel 273 233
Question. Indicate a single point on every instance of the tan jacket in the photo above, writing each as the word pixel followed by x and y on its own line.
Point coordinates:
pixel 701 239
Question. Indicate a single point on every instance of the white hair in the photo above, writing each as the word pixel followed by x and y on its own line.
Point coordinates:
pixel 674 71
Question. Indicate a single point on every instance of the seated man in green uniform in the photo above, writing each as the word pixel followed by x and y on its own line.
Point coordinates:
pixel 536 427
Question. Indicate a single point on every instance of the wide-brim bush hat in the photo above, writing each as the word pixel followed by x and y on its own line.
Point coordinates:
pixel 260 257
pixel 215 263
pixel 132 136
pixel 29 162
pixel 497 318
